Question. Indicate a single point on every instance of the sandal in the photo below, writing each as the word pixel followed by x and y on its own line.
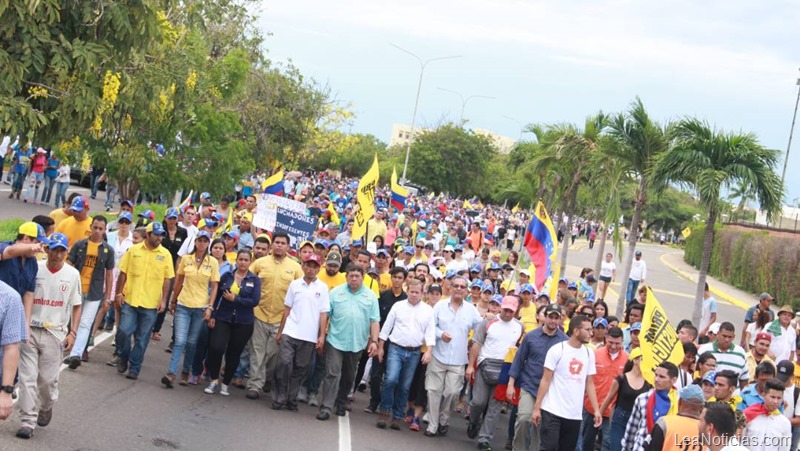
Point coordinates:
pixel 156 336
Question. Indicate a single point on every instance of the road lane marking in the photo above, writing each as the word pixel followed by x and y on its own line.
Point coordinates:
pixel 719 294
pixel 344 433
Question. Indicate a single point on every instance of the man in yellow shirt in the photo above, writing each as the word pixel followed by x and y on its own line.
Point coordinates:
pixel 331 275
pixel 60 214
pixel 142 287
pixel 276 272
pixel 376 226
pixel 78 226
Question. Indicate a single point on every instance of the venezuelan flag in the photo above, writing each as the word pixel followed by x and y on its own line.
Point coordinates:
pixel 540 242
pixel 503 380
pixel 399 193
pixel 186 202
pixel 274 184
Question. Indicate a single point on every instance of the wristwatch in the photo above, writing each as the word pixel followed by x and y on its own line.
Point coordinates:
pixel 7 388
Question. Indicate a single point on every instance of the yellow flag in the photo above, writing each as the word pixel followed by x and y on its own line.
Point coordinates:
pixel 413 232
pixel 515 209
pixel 334 215
pixel 554 283
pixel 467 204
pixel 686 232
pixel 366 200
pixel 658 338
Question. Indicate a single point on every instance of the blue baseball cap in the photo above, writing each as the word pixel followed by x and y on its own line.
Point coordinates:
pixel 218 217
pixel 544 295
pixel 563 280
pixel 493 266
pixel 172 213
pixel 459 248
pixel 321 242
pixel 155 228
pixel 126 215
pixel 526 288
pixel 33 230
pixel 210 222
pixel 203 234
pixel 636 327
pixel 409 250
pixel 358 243
pixel 204 196
pixel 475 268
pixel 487 287
pixel 601 322
pixel 589 296
pixel 232 234
pixel 79 204
pixel 572 286
pixel 382 251
pixel 147 214
pixel 476 283
pixel 57 240
pixel 710 376
pixel 450 274
pixel 346 248
pixel 496 298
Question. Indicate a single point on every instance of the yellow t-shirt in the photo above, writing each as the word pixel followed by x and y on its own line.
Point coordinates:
pixel 332 281
pixel 528 317
pixel 196 278
pixel 235 288
pixel 58 215
pixel 275 279
pixel 146 271
pixel 75 230
pixel 88 266
pixel 375 228
pixel 373 284
pixel 231 257
pixel 385 282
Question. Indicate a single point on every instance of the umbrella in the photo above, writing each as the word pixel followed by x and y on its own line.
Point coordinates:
pixel 293 174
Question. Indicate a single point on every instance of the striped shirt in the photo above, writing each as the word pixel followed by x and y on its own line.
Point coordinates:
pixel 733 359
pixel 12 320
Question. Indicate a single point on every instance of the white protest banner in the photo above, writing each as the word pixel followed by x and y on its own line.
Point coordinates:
pixel 267 210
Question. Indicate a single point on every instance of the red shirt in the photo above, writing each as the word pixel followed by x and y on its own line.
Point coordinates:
pixel 607 370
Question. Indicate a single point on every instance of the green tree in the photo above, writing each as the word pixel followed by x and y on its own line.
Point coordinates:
pixel 450 159
pixel 709 160
pixel 639 141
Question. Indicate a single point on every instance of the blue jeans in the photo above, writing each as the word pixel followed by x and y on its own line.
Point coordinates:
pixel 244 364
pixel 94 184
pixel 136 321
pixel 19 179
pixel 61 194
pixel 200 350
pixel 49 183
pixel 188 324
pixel 111 193
pixel 588 434
pixel 633 285
pixel 619 419
pixel 400 367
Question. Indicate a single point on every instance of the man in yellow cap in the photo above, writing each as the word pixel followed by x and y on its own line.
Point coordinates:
pixel 18 266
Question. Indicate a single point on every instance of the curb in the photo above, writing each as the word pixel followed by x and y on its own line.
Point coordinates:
pixel 714 291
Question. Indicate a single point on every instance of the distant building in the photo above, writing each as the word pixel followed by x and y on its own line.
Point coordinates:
pixel 788 219
pixel 401 135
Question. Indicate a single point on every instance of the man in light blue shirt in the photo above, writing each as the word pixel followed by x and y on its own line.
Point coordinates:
pixel 354 319
pixel 445 375
pixel 13 331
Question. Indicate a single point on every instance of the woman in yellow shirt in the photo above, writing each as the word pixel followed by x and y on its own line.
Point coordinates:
pixel 195 286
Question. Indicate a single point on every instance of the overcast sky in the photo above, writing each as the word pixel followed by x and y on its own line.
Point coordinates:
pixel 733 63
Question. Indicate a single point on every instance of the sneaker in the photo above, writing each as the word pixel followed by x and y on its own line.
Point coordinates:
pixel 168 380
pixel 443 429
pixel 184 381
pixel 223 390
pixel 302 395
pixel 414 425
pixel 25 432
pixel 341 411
pixel 212 387
pixel 132 376
pixel 395 424
pixel 72 361
pixel 472 430
pixel 291 407
pixel 113 362
pixel 252 394
pixel 108 328
pixel 122 366
pixel 44 417
pixel 370 409
pixel 383 418
pixel 408 419
pixel 362 387
pixel 194 380
pixel 277 406
pixel 323 415
pixel 313 401
pixel 484 446
pixel 239 383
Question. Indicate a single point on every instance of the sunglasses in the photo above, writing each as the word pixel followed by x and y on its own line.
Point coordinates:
pixel 459 286
pixel 420 247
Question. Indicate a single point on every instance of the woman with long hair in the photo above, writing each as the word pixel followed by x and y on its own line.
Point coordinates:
pixel 761 322
pixel 231 321
pixel 195 287
pixel 600 309
pixel 624 390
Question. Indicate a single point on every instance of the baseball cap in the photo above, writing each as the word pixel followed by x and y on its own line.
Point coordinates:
pixel 692 394
pixel 57 240
pixel 508 285
pixel 203 234
pixel 600 322
pixel 128 203
pixel 493 266
pixel 204 196
pixel 232 233
pixel 764 296
pixel 435 287
pixel 421 224
pixel 383 252
pixel 476 283
pixel 552 308
pixel 459 248
pixel 510 303
pixel 313 258
pixel 147 214
pixel 210 223
pixel 334 258
pixel 172 213
pixel 785 370
pixel 589 296
pixel 487 287
pixel 711 376
pixel 320 242
pixel 636 327
pixel 635 354
pixel 449 248
pixel 155 228
pixel 763 336
pixel 714 328
pixel 563 280
pixel 79 204
pixel 408 250
pixel 638 253
pixel 572 286
pixel 33 230
pixel 357 243
pixel 525 272
pixel 496 298
pixel 372 270
pixel 450 273
pixel 591 278
pixel 475 268
pixel 526 288
pixel 507 267
pixel 126 216
pixel 544 295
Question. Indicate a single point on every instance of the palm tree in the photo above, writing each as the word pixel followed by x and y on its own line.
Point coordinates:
pixel 709 160
pixel 744 193
pixel 639 142
pixel 565 152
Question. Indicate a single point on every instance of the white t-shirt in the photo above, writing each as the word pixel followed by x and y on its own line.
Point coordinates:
pixel 62 174
pixel 790 409
pixel 607 268
pixel 570 366
pixel 783 345
pixel 709 307
pixel 638 270
pixel 54 298
pixel 753 331
pixel 496 336
pixel 307 301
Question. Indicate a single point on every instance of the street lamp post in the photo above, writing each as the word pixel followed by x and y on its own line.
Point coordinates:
pixel 521 125
pixel 791 132
pixel 464 100
pixel 422 65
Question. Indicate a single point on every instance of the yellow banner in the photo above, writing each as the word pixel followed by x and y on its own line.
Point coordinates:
pixel 334 215
pixel 686 232
pixel 515 209
pixel 658 338
pixel 366 200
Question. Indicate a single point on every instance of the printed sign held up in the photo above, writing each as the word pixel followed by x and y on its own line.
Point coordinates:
pixel 298 226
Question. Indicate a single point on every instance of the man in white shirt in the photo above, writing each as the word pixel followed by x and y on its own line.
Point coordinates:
pixel 191 230
pixel 444 379
pixel 491 342
pixel 767 428
pixel 791 396
pixel 56 304
pixel 302 330
pixel 637 276
pixel 568 370
pixel 409 325
pixel 784 336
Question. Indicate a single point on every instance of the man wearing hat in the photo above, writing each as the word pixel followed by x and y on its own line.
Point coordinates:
pixel 18 266
pixel 57 305
pixel 759 353
pixel 331 276
pixel 784 336
pixel 752 314
pixel 637 276
pixel 527 310
pixel 491 342
pixel 173 240
pixel 79 225
pixel 672 430
pixel 142 288
pixel 302 330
